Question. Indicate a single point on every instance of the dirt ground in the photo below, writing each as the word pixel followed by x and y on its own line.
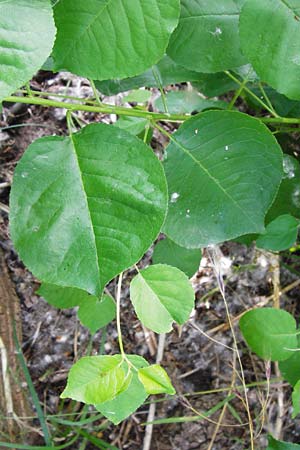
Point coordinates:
pixel 197 356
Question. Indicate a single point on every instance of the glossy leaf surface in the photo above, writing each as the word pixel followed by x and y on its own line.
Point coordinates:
pixel 102 39
pixel 270 333
pixel 280 234
pixel 167 252
pixel 130 399
pixel 220 166
pixel 156 380
pixel 207 37
pixel 95 379
pixel 160 295
pixel 270 38
pixel 22 51
pixel 85 208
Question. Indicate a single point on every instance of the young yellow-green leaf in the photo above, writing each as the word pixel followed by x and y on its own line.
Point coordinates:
pixel 85 208
pixel 280 445
pixel 270 333
pixel 22 50
pixel 220 166
pixel 296 400
pixel 128 400
pixel 160 295
pixel 96 379
pixel 104 39
pixel 270 38
pixel 156 380
pixel 280 234
pixel 187 101
pixel 207 38
pixel 287 200
pixel 167 252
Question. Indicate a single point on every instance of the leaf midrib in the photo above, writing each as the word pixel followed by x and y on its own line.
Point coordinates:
pixel 88 210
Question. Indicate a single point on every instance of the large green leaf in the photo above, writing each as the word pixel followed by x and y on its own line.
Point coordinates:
pixel 27 34
pixel 130 399
pixel 287 200
pixel 163 73
pixel 270 38
pixel 223 170
pixel 96 379
pixel 101 39
pixel 270 333
pixel 280 234
pixel 280 445
pixel 85 208
pixel 160 295
pixel 207 38
pixel 167 252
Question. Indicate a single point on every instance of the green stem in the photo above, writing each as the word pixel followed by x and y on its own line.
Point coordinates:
pixel 118 301
pixel 237 94
pixel 132 112
pixel 263 104
pixel 104 109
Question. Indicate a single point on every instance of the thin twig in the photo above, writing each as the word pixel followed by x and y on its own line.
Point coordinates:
pixel 152 408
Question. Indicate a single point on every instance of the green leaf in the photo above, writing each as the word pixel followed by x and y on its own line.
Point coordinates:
pixel 62 297
pixel 134 125
pixel 96 379
pixel 214 84
pixel 267 29
pixel 163 73
pixel 85 208
pixel 138 96
pixel 22 51
pixel 167 252
pixel 130 399
pixel 186 101
pixel 280 234
pixel 290 368
pixel 296 400
pixel 119 38
pixel 207 38
pixel 220 166
pixel 95 313
pixel 156 380
pixel 270 333
pixel 287 200
pixel 161 295
pixel 280 445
